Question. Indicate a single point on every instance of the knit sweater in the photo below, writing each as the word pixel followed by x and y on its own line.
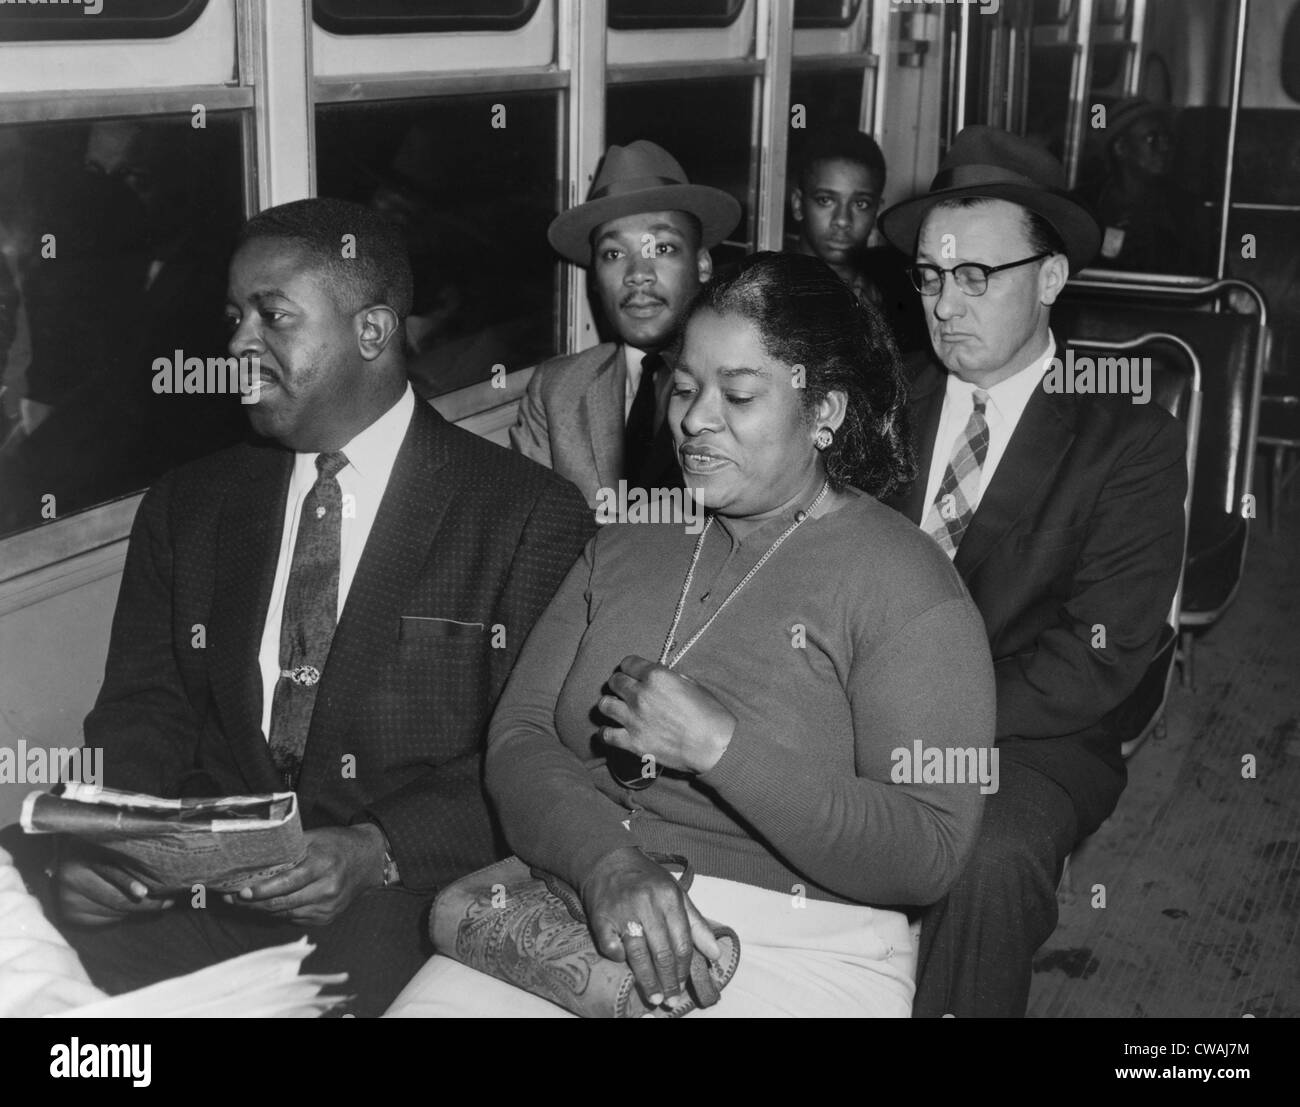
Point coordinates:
pixel 855 640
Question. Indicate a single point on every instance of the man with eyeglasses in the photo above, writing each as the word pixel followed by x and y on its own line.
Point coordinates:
pixel 1063 514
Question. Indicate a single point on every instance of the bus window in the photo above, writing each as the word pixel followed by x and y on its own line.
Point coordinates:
pixel 114 242
pixel 831 100
pixel 825 13
pixel 96 19
pixel 472 180
pixel 1152 169
pixel 638 15
pixel 705 125
pixel 365 17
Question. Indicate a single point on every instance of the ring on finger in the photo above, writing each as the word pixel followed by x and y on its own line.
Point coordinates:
pixel 634 930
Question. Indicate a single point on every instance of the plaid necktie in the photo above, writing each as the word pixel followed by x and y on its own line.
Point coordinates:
pixel 954 504
pixel 310 612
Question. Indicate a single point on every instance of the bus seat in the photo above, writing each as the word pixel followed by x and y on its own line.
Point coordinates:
pixel 1232 350
pixel 1279 419
pixel 1175 386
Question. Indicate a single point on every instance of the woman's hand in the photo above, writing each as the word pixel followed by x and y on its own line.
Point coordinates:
pixel 638 914
pixel 664 716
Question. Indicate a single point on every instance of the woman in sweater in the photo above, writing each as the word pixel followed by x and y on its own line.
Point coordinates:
pixel 779 681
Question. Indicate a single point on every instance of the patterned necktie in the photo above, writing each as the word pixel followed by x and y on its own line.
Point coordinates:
pixel 310 612
pixel 954 504
pixel 639 437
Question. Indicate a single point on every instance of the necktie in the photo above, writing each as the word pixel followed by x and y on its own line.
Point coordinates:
pixel 639 437
pixel 310 612
pixel 649 456
pixel 954 504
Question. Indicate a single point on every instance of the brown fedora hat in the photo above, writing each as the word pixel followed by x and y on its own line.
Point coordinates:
pixel 635 178
pixel 986 161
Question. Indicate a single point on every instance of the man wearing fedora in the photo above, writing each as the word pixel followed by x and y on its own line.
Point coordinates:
pixel 1063 514
pixel 598 416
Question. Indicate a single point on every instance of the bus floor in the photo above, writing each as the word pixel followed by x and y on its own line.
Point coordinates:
pixel 1186 902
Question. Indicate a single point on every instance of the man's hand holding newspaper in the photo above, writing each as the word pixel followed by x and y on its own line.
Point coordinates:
pixel 128 853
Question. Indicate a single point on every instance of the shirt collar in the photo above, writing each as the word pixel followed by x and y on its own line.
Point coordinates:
pixel 1009 397
pixel 632 358
pixel 371 452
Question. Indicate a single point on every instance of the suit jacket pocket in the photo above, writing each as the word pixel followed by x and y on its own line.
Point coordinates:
pixel 423 628
pixel 1042 540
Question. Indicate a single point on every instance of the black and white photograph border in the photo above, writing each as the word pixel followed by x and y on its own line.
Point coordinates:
pixel 377 379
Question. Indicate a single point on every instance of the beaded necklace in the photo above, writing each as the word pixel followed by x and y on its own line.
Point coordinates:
pixel 671 640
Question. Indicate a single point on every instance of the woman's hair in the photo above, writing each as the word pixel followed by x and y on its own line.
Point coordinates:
pixel 807 316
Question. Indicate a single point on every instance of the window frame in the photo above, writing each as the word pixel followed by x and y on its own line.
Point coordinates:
pixel 101 25
pixel 347 26
pixel 227 38
pixel 403 59
pixel 573 68
pixel 251 54
pixel 691 45
pixel 829 31
pixel 203 54
pixel 677 22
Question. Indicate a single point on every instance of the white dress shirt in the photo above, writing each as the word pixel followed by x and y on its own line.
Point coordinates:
pixel 632 359
pixel 1007 400
pixel 362 481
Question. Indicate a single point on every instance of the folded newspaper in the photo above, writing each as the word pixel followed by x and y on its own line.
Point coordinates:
pixel 170 845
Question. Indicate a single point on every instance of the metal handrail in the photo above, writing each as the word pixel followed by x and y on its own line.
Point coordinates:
pixel 1196 288
pixel 1166 284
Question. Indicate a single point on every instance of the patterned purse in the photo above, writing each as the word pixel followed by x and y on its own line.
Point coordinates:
pixel 529 929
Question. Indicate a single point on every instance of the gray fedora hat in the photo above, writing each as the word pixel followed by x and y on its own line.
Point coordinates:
pixel 987 161
pixel 635 178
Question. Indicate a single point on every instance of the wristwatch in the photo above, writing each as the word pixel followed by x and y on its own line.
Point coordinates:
pixel 391 875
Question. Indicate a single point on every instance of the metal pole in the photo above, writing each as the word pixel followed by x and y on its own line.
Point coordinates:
pixel 1238 68
pixel 582 52
pixel 1137 39
pixel 1080 82
pixel 774 36
pixel 963 61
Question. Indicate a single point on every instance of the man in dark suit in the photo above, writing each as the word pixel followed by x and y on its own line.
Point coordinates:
pixel 597 417
pixel 333 610
pixel 1062 512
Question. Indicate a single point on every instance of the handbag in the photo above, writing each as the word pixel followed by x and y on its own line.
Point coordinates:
pixel 528 928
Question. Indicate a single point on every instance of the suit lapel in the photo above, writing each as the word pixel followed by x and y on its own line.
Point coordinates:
pixel 1040 440
pixel 926 407
pixel 248 547
pixel 602 410
pixel 396 551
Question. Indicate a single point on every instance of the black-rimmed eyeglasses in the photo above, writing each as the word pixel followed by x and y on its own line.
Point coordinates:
pixel 971 277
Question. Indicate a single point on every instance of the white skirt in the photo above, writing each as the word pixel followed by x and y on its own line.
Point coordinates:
pixel 798 958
